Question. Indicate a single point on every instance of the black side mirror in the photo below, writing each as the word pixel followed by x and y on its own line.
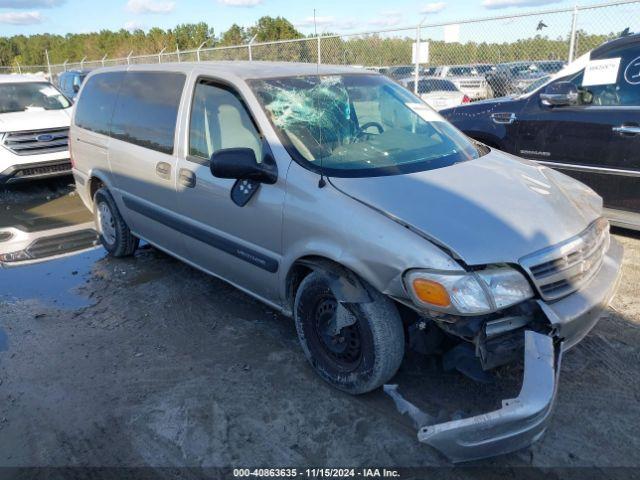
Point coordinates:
pixel 560 94
pixel 76 88
pixel 241 164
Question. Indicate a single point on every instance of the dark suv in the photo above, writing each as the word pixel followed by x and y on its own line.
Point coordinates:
pixel 585 125
pixel 69 82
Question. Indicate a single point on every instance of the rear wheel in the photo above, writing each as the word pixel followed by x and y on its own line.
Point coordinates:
pixel 114 233
pixel 355 350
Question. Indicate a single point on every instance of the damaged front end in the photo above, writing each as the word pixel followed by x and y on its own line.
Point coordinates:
pixel 543 330
pixel 520 421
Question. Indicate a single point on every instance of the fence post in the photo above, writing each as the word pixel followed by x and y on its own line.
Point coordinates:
pixel 319 52
pixel 178 52
pixel 46 54
pixel 129 57
pixel 19 68
pixel 200 48
pixel 82 62
pixel 572 39
pixel 64 65
pixel 416 73
pixel 249 46
pixel 103 59
pixel 160 55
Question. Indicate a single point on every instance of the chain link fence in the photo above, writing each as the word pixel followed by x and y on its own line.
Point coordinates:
pixel 479 58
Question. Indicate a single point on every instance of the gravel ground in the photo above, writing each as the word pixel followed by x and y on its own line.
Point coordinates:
pixel 147 361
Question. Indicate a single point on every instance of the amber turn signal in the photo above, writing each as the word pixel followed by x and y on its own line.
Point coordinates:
pixel 431 292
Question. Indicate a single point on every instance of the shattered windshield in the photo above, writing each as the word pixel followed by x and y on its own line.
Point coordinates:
pixel 35 96
pixel 360 125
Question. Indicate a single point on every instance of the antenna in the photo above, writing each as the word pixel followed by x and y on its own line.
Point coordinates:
pixel 322 182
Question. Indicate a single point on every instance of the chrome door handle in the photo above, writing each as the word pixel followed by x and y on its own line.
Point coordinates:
pixel 187 178
pixel 627 130
pixel 163 170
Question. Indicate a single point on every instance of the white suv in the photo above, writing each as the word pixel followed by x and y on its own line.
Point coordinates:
pixel 34 129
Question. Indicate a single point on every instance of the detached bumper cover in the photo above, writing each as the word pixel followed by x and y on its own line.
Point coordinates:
pixel 521 420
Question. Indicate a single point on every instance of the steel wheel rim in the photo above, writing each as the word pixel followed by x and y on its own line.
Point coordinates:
pixel 106 223
pixel 345 349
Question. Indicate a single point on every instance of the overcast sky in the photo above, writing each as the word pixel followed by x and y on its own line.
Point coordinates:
pixel 342 16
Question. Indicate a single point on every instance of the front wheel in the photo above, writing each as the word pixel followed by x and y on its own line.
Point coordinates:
pixel 355 355
pixel 114 233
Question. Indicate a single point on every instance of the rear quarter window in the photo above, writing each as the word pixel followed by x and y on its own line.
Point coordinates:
pixel 147 109
pixel 95 106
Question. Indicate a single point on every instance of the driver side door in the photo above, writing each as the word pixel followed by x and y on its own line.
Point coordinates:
pixel 241 244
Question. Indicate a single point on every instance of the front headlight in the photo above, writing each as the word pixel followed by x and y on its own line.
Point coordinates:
pixel 467 293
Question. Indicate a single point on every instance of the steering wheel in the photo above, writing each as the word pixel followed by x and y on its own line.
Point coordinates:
pixel 363 129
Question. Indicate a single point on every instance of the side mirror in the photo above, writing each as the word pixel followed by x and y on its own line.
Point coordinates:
pixel 241 164
pixel 76 88
pixel 560 94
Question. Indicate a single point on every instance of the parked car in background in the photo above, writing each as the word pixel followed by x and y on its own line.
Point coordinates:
pixel 469 79
pixel 70 81
pixel 38 230
pixel 337 197
pixel 515 77
pixel 34 128
pixel 438 93
pixel 586 126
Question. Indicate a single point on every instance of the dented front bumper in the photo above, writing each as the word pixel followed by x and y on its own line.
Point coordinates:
pixel 520 421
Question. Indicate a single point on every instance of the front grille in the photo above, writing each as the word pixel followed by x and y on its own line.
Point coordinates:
pixel 65 243
pixel 562 269
pixel 37 141
pixel 37 171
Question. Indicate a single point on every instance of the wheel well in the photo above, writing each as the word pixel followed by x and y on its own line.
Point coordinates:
pixel 94 185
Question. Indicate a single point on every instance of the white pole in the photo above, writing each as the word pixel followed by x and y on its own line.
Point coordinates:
pixel 129 57
pixel 160 55
pixel 416 75
pixel 82 62
pixel 319 52
pixel 200 48
pixel 19 69
pixel 64 64
pixel 249 45
pixel 103 59
pixel 178 52
pixel 46 54
pixel 572 40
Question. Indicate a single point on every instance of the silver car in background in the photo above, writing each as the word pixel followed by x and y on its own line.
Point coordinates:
pixel 339 198
pixel 438 93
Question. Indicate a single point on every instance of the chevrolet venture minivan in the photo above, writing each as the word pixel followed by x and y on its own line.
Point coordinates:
pixel 339 198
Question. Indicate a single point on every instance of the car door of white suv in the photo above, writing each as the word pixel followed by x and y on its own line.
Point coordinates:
pixel 240 243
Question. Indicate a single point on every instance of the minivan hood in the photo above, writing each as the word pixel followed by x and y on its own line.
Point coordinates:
pixel 495 209
pixel 35 120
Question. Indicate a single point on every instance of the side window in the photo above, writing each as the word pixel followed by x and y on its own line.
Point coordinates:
pixel 626 90
pixel 147 109
pixel 219 119
pixel 95 107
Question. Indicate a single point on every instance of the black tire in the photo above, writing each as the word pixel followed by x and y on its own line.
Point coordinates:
pixel 117 240
pixel 364 355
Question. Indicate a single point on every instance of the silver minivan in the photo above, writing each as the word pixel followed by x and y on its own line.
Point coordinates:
pixel 339 198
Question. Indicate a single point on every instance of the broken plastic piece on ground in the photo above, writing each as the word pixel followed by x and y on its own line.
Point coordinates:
pixel 521 420
pixel 419 418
